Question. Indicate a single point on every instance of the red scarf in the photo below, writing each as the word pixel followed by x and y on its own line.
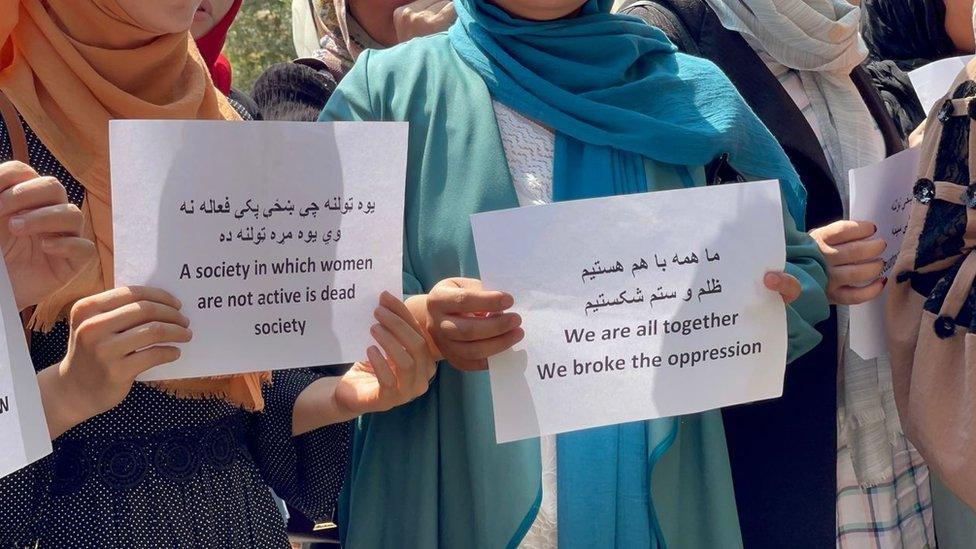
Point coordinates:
pixel 210 46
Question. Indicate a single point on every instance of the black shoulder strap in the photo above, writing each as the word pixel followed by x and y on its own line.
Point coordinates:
pixel 664 17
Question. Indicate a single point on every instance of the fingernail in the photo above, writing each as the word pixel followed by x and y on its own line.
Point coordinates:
pixel 875 229
pixel 509 301
pixel 884 281
pixel 47 244
pixel 17 223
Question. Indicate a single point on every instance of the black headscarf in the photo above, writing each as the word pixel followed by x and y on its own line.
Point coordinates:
pixel 909 32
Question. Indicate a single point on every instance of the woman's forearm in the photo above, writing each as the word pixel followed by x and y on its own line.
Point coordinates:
pixel 61 410
pixel 317 407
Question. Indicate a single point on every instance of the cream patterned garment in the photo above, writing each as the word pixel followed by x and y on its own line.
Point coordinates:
pixel 529 151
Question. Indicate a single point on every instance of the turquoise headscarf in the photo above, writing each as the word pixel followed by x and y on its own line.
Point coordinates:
pixel 614 90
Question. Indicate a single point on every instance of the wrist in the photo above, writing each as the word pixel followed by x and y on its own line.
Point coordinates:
pixel 63 409
pixel 317 407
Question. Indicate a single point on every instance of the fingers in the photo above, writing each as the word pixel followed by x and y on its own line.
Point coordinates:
pixel 486 348
pixel 840 232
pixel 855 275
pixel 147 335
pixel 135 314
pixel 455 298
pixel 140 361
pixel 31 194
pixel 68 247
pixel 403 365
pixel 786 285
pixel 384 375
pixel 13 173
pixel 60 219
pixel 858 251
pixel 408 333
pixel 399 308
pixel 459 328
pixel 852 295
pixel 118 297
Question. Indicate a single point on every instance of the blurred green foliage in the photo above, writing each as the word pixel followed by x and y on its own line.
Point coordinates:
pixel 259 38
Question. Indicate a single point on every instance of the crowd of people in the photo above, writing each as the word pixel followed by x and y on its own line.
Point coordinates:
pixel 510 103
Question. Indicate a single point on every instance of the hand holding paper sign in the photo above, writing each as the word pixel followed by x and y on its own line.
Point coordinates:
pixel 853 259
pixel 384 382
pixel 40 233
pixel 468 324
pixel 660 304
pixel 785 284
pixel 396 375
pixel 115 336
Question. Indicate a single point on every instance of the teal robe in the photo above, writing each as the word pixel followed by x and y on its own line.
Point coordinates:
pixel 429 473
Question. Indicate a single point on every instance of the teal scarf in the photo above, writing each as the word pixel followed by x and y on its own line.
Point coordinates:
pixel 614 90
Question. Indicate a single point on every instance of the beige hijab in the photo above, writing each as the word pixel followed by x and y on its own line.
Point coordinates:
pixel 69 67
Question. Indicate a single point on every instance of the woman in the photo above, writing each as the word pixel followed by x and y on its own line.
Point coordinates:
pixel 211 22
pixel 329 36
pixel 507 110
pixel 179 463
pixel 860 483
pixel 347 27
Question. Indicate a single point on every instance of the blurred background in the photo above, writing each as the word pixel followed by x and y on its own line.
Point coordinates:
pixel 260 37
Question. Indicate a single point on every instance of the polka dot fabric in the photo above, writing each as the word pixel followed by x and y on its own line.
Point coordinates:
pixel 157 471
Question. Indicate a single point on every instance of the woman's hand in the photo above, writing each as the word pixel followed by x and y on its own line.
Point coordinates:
pixel 396 375
pixel 115 336
pixel 40 234
pixel 422 18
pixel 468 325
pixel 853 261
pixel 786 285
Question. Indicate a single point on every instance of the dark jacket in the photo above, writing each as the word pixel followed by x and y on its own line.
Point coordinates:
pixel 783 452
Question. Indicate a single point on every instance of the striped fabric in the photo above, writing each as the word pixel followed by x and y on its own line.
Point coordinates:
pixel 894 515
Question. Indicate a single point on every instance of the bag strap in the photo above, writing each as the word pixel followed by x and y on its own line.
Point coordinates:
pixel 18 139
pixel 667 17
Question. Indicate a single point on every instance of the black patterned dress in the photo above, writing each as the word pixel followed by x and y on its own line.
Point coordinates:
pixel 157 471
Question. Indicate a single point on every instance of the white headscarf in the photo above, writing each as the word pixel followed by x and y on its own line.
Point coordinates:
pixel 820 40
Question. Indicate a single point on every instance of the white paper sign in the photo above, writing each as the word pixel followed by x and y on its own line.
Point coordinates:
pixel 882 194
pixel 636 307
pixel 24 437
pixel 278 237
pixel 932 81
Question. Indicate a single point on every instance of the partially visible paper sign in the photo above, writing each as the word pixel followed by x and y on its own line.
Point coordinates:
pixel 24 437
pixel 882 194
pixel 636 307
pixel 932 81
pixel 278 237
